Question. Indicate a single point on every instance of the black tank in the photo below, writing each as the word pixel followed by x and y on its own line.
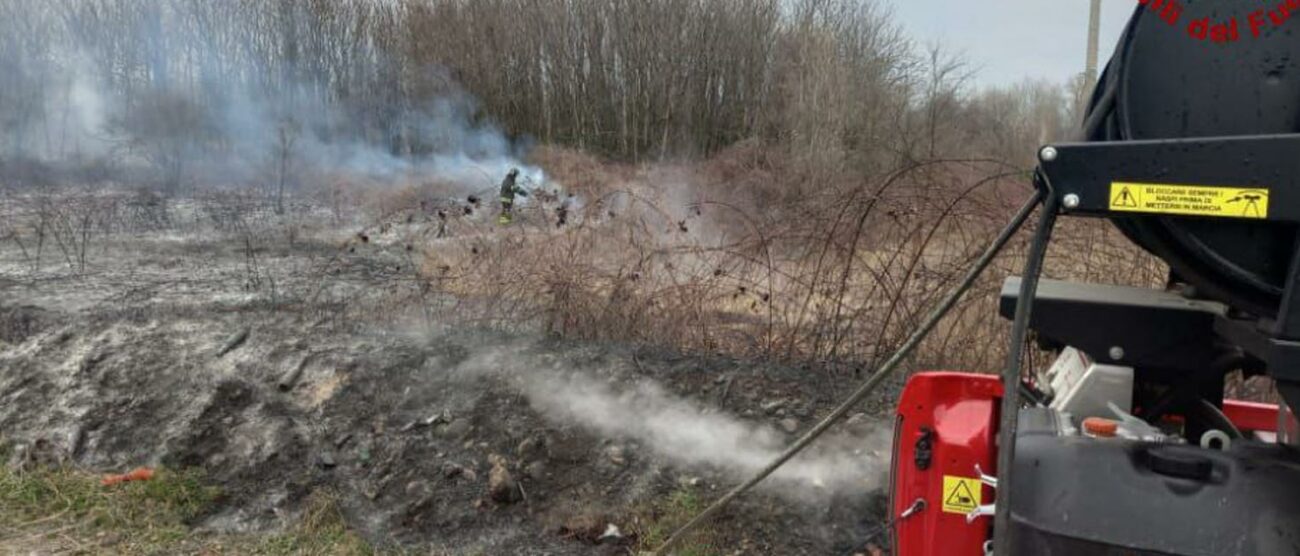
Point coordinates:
pixel 1164 81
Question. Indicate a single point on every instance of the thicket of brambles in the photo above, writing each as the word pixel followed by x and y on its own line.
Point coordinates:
pixel 777 178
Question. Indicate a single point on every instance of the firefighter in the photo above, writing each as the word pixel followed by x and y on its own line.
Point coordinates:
pixel 509 189
pixel 562 211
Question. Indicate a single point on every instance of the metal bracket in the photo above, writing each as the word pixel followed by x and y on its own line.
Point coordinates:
pixel 912 510
pixel 1082 173
pixel 986 509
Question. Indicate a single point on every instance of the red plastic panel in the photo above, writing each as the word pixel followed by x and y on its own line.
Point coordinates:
pixel 1251 416
pixel 961 412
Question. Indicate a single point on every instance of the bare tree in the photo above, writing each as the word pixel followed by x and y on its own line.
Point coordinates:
pixel 286 136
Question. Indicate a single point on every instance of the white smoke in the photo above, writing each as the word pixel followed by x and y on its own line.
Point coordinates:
pixel 685 431
pixel 202 109
pixel 86 110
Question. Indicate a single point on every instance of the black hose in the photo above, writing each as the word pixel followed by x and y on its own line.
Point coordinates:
pixel 885 371
pixel 1215 418
pixel 1011 375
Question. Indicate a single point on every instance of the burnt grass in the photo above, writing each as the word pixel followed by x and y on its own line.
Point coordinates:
pixel 112 368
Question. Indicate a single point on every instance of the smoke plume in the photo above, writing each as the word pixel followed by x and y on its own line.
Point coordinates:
pixel 180 94
pixel 685 431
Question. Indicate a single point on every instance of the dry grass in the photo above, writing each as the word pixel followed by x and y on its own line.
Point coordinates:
pixel 744 255
pixel 748 253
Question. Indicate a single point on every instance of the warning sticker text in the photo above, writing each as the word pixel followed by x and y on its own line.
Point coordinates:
pixel 1189 200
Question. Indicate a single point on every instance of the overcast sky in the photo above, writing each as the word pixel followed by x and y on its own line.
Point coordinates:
pixel 1009 40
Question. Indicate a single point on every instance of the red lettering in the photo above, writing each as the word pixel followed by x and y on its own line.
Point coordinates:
pixel 1225 33
pixel 1168 10
pixel 1173 10
pixel 1280 15
pixel 1256 19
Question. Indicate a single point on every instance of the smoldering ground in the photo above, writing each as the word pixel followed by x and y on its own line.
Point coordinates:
pixel 601 400
pixel 119 368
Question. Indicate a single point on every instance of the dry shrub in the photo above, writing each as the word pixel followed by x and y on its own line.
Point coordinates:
pixel 581 173
pixel 382 202
pixel 68 222
pixel 745 253
pixel 705 258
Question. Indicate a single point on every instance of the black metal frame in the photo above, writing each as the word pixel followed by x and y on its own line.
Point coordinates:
pixel 1077 180
pixel 1081 175
pixel 1087 170
pixel 1147 329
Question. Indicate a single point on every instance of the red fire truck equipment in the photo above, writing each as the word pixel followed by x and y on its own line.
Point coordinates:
pixel 1126 445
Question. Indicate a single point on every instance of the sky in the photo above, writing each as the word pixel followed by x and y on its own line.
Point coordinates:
pixel 1007 41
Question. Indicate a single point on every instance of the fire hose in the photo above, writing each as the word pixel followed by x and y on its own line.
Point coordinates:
pixel 893 363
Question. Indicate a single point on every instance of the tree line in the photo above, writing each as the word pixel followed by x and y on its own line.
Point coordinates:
pixel 167 82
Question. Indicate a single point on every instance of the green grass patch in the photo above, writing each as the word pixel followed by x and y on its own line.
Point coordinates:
pixel 654 524
pixel 72 505
pixel 64 510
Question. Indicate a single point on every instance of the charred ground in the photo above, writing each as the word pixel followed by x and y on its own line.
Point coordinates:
pixel 166 350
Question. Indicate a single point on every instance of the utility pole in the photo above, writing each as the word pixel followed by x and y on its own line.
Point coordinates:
pixel 1087 81
pixel 1094 39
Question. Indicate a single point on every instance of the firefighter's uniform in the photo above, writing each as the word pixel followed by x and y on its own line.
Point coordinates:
pixel 510 189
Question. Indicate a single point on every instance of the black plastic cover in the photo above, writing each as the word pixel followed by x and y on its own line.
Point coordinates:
pixel 1080 495
pixel 1156 329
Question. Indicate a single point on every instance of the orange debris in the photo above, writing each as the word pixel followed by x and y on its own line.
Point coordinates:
pixel 137 474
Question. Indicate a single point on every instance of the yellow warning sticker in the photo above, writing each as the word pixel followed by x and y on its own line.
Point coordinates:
pixel 961 495
pixel 1189 200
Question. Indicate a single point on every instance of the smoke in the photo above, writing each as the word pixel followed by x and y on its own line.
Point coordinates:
pixel 183 94
pixel 685 431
